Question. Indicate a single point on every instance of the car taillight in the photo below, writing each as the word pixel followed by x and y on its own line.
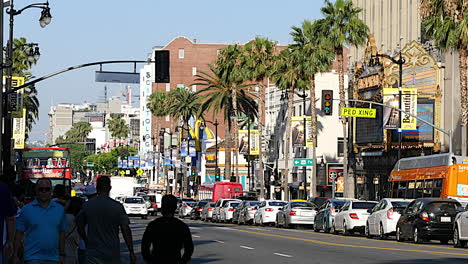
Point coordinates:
pixel 390 213
pixel 199 209
pixel 292 213
pixel 332 211
pixel 252 209
pixel 424 216
pixel 354 216
pixel 231 209
pixel 268 210
pixel 185 206
pixel 210 209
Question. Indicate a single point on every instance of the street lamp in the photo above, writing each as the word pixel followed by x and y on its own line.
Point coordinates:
pixel 400 61
pixel 304 96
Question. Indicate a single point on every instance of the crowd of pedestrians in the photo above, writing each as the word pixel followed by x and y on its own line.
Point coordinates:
pixel 55 228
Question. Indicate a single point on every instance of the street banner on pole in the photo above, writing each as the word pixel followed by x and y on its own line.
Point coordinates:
pixel 15 100
pixel 184 148
pixel 254 142
pixel 409 105
pixel 244 148
pixel 298 137
pixel 192 149
pixel 390 115
pixel 19 129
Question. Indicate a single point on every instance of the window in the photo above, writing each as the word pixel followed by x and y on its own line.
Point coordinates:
pixel 300 110
pixel 167 118
pixel 437 190
pixel 340 150
pixel 168 87
pixel 194 71
pixel 428 188
pixel 410 191
pixel 217 52
pixel 181 53
pixel 419 189
pixel 402 186
pixel 194 88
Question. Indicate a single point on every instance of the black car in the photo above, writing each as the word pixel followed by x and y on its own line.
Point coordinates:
pixel 197 209
pixel 319 201
pixel 428 218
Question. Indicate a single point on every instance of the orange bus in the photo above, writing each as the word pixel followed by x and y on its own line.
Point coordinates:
pixel 441 175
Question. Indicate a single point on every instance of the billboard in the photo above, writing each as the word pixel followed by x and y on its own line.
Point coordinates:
pixel 192 148
pixel 335 170
pixel 297 130
pixel 244 148
pixel 19 129
pixel 408 104
pixel 184 147
pixel 423 132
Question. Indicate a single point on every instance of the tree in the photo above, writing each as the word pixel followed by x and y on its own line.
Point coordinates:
pixel 315 58
pixel 106 162
pixel 218 97
pixel 117 127
pixel 259 61
pixel 341 26
pixel 79 132
pixel 446 22
pixel 288 77
pixel 158 104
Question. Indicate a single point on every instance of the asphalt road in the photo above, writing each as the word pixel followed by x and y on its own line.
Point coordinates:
pixel 228 243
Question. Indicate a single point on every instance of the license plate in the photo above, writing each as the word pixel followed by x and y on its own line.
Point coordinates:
pixel 445 219
pixel 306 214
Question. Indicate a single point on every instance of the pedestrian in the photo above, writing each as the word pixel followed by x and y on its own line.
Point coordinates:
pixel 59 194
pixel 41 227
pixel 167 236
pixel 72 238
pixel 104 216
pixel 90 193
pixel 7 223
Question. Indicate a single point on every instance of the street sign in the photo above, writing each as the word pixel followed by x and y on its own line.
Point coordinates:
pixel 358 112
pixel 140 172
pixel 303 162
pixel 122 173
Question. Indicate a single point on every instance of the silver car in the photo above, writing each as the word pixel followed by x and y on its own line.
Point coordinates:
pixel 207 212
pixel 247 212
pixel 296 213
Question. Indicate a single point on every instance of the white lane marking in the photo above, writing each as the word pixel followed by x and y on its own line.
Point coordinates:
pixel 195 236
pixel 246 247
pixel 283 255
pixel 192 227
pixel 225 228
pixel 219 241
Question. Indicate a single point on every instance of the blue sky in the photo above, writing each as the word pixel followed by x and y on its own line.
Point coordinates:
pixel 96 30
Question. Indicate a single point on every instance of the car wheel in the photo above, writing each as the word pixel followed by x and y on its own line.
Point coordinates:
pixel 382 234
pixel 333 229
pixel 367 231
pixel 399 238
pixel 316 228
pixel 144 217
pixel 416 236
pixel 261 222
pixel 285 224
pixel 456 239
pixel 345 229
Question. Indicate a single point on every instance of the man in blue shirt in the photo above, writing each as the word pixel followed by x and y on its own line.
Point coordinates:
pixel 41 225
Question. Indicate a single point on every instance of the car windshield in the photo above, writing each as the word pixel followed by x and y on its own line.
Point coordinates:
pixel 201 204
pixel 363 205
pixel 338 204
pixel 276 203
pixel 134 200
pixel 399 204
pixel 234 205
pixel 190 203
pixel 254 203
pixel 443 207
pixel 302 204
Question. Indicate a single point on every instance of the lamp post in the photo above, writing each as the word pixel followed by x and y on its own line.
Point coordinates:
pixel 153 140
pixel 304 96
pixel 44 20
pixel 400 61
pixel 162 132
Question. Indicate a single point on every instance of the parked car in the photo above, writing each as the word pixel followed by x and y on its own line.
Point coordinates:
pixel 135 205
pixel 318 201
pixel 197 210
pixel 225 214
pixel 266 211
pixel 220 204
pixel 245 212
pixel 460 229
pixel 155 200
pixel 326 215
pixel 207 212
pixel 185 208
pixel 296 212
pixel 428 219
pixel 383 218
pixel 352 217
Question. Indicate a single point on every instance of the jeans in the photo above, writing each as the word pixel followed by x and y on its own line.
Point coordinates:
pixel 39 261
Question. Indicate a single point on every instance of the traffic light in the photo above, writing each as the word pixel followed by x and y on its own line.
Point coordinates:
pixel 161 143
pixel 193 171
pixel 217 174
pixel 327 102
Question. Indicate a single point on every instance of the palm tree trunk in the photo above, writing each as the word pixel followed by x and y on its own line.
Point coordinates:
pixel 462 55
pixel 227 151
pixel 261 176
pixel 287 143
pixel 349 183
pixel 313 132
pixel 236 130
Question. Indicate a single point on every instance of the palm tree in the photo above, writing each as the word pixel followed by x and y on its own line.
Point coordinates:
pixel 158 104
pixel 218 98
pixel 288 77
pixel 446 22
pixel 118 127
pixel 315 58
pixel 79 132
pixel 341 26
pixel 259 61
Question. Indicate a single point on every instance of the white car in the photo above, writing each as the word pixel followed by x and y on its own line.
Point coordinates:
pixel 384 216
pixel 352 217
pixel 225 213
pixel 217 208
pixel 267 210
pixel 460 232
pixel 185 209
pixel 135 205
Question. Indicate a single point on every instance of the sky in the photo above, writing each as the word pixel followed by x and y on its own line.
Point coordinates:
pixel 97 30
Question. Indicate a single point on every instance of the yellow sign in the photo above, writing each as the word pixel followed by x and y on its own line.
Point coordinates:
pixel 140 172
pixel 409 104
pixel 297 130
pixel 358 112
pixel 19 130
pixel 122 173
pixel 244 142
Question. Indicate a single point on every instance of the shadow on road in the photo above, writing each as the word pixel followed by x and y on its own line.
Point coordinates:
pixel 205 259
pixel 428 261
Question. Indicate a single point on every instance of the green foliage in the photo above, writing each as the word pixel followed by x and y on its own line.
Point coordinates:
pixel 118 127
pixel 159 103
pixel 79 132
pixel 258 59
pixel 107 162
pixel 184 104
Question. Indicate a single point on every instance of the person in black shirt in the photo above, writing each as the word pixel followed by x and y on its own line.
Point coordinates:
pixel 165 237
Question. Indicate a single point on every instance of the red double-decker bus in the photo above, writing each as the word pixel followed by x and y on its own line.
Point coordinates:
pixel 52 163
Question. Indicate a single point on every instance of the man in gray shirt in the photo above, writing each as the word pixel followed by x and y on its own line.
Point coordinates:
pixel 104 216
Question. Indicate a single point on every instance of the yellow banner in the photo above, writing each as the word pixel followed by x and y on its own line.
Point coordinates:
pixel 409 101
pixel 254 148
pixel 19 130
pixel 358 112
pixel 297 129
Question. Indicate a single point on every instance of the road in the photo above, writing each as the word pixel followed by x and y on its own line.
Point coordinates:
pixel 228 243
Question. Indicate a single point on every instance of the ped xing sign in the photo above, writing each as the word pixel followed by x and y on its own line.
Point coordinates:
pixel 358 112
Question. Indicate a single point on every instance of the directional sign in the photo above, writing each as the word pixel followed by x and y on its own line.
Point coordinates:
pixel 303 162
pixel 122 173
pixel 358 112
pixel 140 172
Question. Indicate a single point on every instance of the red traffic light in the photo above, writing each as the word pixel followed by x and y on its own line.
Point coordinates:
pixel 328 96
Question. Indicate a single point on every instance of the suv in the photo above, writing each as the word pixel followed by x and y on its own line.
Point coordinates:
pixel 428 218
pixel 220 204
